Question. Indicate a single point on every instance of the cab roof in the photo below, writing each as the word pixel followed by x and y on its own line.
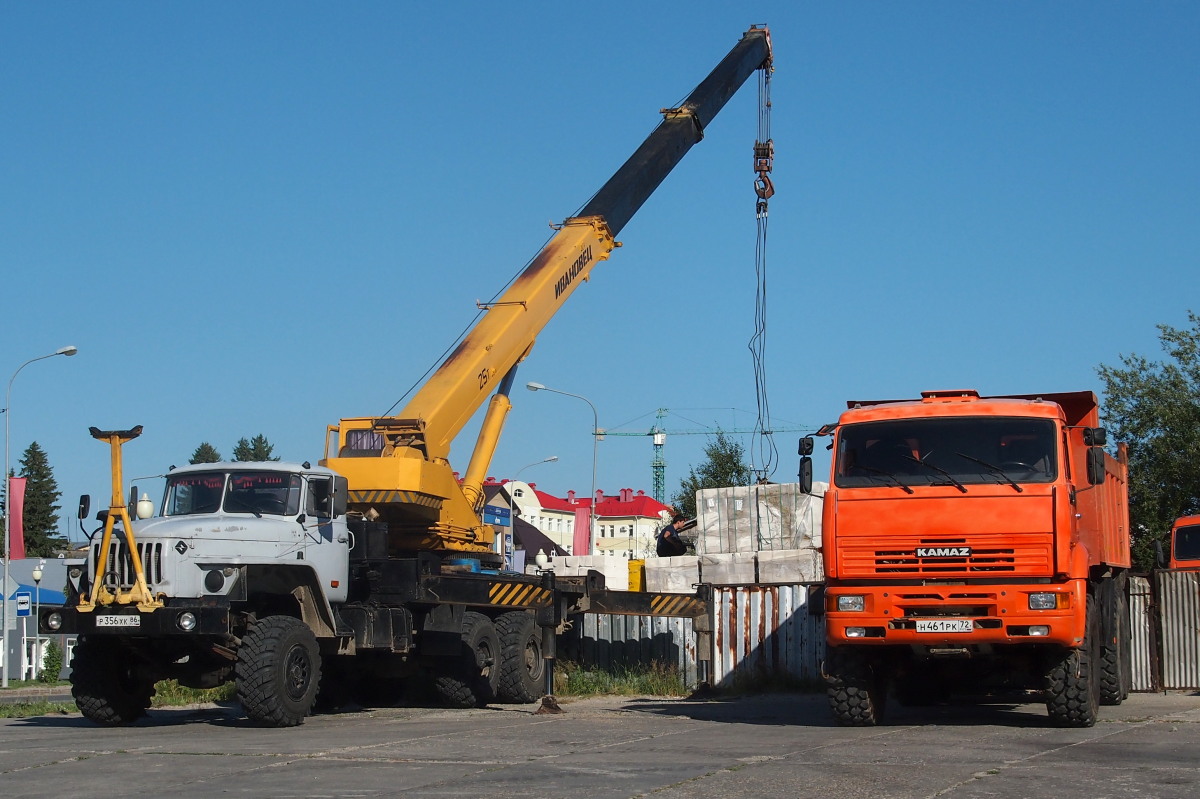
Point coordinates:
pixel 1075 407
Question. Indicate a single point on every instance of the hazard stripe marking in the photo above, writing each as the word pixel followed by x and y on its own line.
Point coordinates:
pixel 517 594
pixel 674 606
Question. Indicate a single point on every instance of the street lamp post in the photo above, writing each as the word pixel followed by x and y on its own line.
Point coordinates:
pixel 595 440
pixel 68 350
pixel 512 521
pixel 550 459
pixel 37 614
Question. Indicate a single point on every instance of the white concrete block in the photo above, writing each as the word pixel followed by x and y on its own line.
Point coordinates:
pixel 673 575
pixel 790 566
pixel 758 518
pixel 728 568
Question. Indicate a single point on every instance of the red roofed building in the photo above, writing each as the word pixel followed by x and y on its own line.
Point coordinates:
pixel 625 524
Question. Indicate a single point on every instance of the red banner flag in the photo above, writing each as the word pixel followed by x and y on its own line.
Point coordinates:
pixel 16 514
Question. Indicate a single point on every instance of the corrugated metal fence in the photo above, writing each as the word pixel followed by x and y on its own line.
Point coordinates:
pixel 1178 609
pixel 759 631
pixel 1143 638
pixel 766 630
pixel 604 641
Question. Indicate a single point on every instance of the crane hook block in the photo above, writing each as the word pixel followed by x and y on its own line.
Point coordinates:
pixel 763 187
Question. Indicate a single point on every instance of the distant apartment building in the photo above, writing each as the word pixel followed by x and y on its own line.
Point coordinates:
pixel 625 523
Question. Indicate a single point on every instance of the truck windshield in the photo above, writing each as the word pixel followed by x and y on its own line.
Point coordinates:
pixel 946 451
pixel 260 493
pixel 1187 542
pixel 194 493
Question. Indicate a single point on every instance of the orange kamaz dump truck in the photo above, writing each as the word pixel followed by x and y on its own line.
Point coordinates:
pixel 1185 545
pixel 975 545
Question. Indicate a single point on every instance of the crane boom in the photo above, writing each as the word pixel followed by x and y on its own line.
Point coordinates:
pixel 397 467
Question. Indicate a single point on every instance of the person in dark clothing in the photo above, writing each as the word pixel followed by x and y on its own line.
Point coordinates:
pixel 669 544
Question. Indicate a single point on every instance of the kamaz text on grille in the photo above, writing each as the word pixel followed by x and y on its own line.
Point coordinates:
pixel 943 552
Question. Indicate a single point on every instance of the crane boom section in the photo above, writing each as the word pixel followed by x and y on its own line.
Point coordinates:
pixel 506 332
pixel 397 466
pixel 625 192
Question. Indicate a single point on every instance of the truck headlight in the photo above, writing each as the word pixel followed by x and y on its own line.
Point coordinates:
pixel 53 620
pixel 1043 601
pixel 856 632
pixel 851 602
pixel 186 621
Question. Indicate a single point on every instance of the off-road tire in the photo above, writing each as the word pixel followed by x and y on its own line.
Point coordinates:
pixel 471 679
pixel 1115 655
pixel 522 667
pixel 857 695
pixel 107 687
pixel 1073 681
pixel 278 671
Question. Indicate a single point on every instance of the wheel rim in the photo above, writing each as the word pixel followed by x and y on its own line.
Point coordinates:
pixel 533 658
pixel 485 658
pixel 297 672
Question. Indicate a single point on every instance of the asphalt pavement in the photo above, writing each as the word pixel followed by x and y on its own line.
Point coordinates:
pixel 616 748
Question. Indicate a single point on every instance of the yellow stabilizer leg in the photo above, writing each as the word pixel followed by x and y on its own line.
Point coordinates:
pixel 139 593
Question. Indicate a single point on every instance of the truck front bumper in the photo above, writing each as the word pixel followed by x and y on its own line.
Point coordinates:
pixel 956 616
pixel 174 619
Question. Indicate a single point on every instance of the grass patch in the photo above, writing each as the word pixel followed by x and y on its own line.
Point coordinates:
pixel 169 693
pixel 25 710
pixel 655 679
pixel 36 684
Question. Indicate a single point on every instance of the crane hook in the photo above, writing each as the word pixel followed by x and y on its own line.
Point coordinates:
pixel 763 186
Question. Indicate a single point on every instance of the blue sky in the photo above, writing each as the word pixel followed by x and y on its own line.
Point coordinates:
pixel 260 218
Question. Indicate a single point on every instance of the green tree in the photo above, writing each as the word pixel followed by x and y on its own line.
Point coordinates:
pixel 256 449
pixel 206 453
pixel 40 517
pixel 52 663
pixel 725 465
pixel 1154 407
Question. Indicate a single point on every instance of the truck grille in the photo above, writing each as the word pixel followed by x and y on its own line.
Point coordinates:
pixel 120 564
pixel 1017 555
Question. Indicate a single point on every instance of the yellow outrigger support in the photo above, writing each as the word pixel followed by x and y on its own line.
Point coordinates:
pixel 117 510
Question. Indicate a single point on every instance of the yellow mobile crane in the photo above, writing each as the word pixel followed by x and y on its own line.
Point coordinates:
pixel 397 466
pixel 310 585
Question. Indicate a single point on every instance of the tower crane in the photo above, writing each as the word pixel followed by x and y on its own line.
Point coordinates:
pixel 658 464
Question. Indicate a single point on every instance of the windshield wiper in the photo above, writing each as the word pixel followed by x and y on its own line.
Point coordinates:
pixel 246 506
pixel 940 471
pixel 996 470
pixel 896 481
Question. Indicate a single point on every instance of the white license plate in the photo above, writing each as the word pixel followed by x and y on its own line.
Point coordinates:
pixel 119 621
pixel 944 625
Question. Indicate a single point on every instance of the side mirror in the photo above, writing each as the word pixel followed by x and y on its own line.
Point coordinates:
pixel 1095 436
pixel 805 477
pixel 806 445
pixel 1095 465
pixel 321 489
pixel 341 495
pixel 85 506
pixel 1160 556
pixel 133 497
